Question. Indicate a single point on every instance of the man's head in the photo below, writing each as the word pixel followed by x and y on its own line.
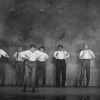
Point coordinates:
pixel 60 47
pixel 86 46
pixel 32 47
pixel 20 49
pixel 42 48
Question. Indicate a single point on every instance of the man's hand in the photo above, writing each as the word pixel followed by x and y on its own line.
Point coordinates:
pixel 81 57
pixel 7 55
pixel 25 58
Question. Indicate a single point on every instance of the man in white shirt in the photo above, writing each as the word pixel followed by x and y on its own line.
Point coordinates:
pixel 41 66
pixel 19 67
pixel 3 55
pixel 86 55
pixel 60 57
pixel 31 57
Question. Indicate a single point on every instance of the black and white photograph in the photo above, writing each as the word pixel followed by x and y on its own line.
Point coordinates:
pixel 49 49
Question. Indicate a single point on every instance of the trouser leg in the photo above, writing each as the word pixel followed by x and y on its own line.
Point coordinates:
pixel 37 76
pixel 2 73
pixel 26 77
pixel 63 73
pixel 82 72
pixel 58 67
pixel 21 64
pixel 88 72
pixel 41 70
pixel 30 67
pixel 17 74
pixel 33 76
pixel 44 74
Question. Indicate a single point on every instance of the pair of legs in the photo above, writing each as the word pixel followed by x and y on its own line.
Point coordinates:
pixel 19 73
pixel 60 67
pixel 2 73
pixel 41 70
pixel 30 67
pixel 85 67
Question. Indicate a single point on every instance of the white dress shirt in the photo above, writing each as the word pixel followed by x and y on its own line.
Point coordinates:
pixel 61 54
pixel 3 53
pixel 17 56
pixel 86 54
pixel 31 56
pixel 42 57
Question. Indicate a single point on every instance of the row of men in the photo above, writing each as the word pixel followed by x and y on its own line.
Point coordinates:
pixel 34 62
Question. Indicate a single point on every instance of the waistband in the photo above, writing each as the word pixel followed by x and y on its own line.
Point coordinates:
pixel 41 61
pixel 28 61
pixel 86 59
pixel 60 59
pixel 19 61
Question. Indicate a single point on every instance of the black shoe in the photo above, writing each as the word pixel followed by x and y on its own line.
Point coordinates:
pixel 87 86
pixel 63 86
pixel 80 85
pixel 43 86
pixel 57 86
pixel 33 90
pixel 16 85
pixel 24 90
pixel 37 86
pixel 20 85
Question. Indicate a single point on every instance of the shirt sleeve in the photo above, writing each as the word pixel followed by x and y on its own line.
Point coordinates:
pixel 24 54
pixel 38 53
pixel 55 54
pixel 92 54
pixel 67 55
pixel 15 55
pixel 3 53
pixel 81 54
pixel 46 56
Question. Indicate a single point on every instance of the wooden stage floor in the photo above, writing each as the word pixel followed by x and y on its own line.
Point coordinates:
pixel 50 93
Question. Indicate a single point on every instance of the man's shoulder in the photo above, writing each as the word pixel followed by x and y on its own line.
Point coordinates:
pixel 82 50
pixel 56 51
pixel 65 51
pixel 1 50
pixel 38 52
pixel 15 53
pixel 25 51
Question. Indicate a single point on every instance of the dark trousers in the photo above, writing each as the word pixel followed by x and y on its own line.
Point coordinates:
pixel 85 67
pixel 60 67
pixel 41 71
pixel 2 73
pixel 19 73
pixel 30 67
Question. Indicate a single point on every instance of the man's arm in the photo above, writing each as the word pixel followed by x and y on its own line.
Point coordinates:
pixel 24 54
pixel 92 55
pixel 81 55
pixel 46 56
pixel 67 55
pixel 15 55
pixel 3 53
pixel 55 54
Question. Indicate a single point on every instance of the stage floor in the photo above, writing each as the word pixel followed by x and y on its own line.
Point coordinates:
pixel 50 93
